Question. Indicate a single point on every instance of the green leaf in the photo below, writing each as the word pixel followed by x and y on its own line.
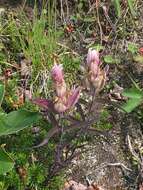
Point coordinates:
pixel 16 121
pixel 6 162
pixel 98 47
pixel 133 93
pixel 117 7
pixel 2 89
pixel 110 59
pixel 131 6
pixel 131 104
pixel 132 48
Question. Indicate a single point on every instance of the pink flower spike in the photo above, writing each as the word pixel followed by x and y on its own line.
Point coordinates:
pixel 60 89
pixel 94 68
pixel 57 73
pixel 74 97
pixel 92 56
pixel 42 102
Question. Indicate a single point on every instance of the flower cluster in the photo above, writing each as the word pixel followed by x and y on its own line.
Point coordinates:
pixel 65 99
pixel 96 75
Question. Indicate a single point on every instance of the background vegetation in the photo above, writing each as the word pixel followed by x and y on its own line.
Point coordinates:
pixel 32 37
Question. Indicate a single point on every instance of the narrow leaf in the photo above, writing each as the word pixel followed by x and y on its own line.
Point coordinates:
pixel 117 7
pixel 131 6
pixel 2 89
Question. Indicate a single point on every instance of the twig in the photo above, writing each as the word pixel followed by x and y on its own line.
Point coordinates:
pixel 108 18
pixel 62 11
pixel 92 102
pixel 132 150
pixel 67 8
pixel 66 47
pixel 118 164
pixel 57 130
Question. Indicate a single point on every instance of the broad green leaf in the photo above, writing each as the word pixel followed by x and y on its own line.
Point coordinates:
pixel 117 7
pixel 131 104
pixel 16 121
pixel 6 162
pixel 110 59
pixel 2 89
pixel 133 93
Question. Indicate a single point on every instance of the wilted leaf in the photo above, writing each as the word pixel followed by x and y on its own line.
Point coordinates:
pixel 25 67
pixel 74 185
pixel 139 59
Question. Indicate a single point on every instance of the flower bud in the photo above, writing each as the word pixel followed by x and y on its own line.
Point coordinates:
pixel 57 73
pixel 58 79
pixel 60 89
pixel 66 102
pixel 93 56
pixel 97 76
pixel 93 62
pixel 99 81
pixel 94 69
